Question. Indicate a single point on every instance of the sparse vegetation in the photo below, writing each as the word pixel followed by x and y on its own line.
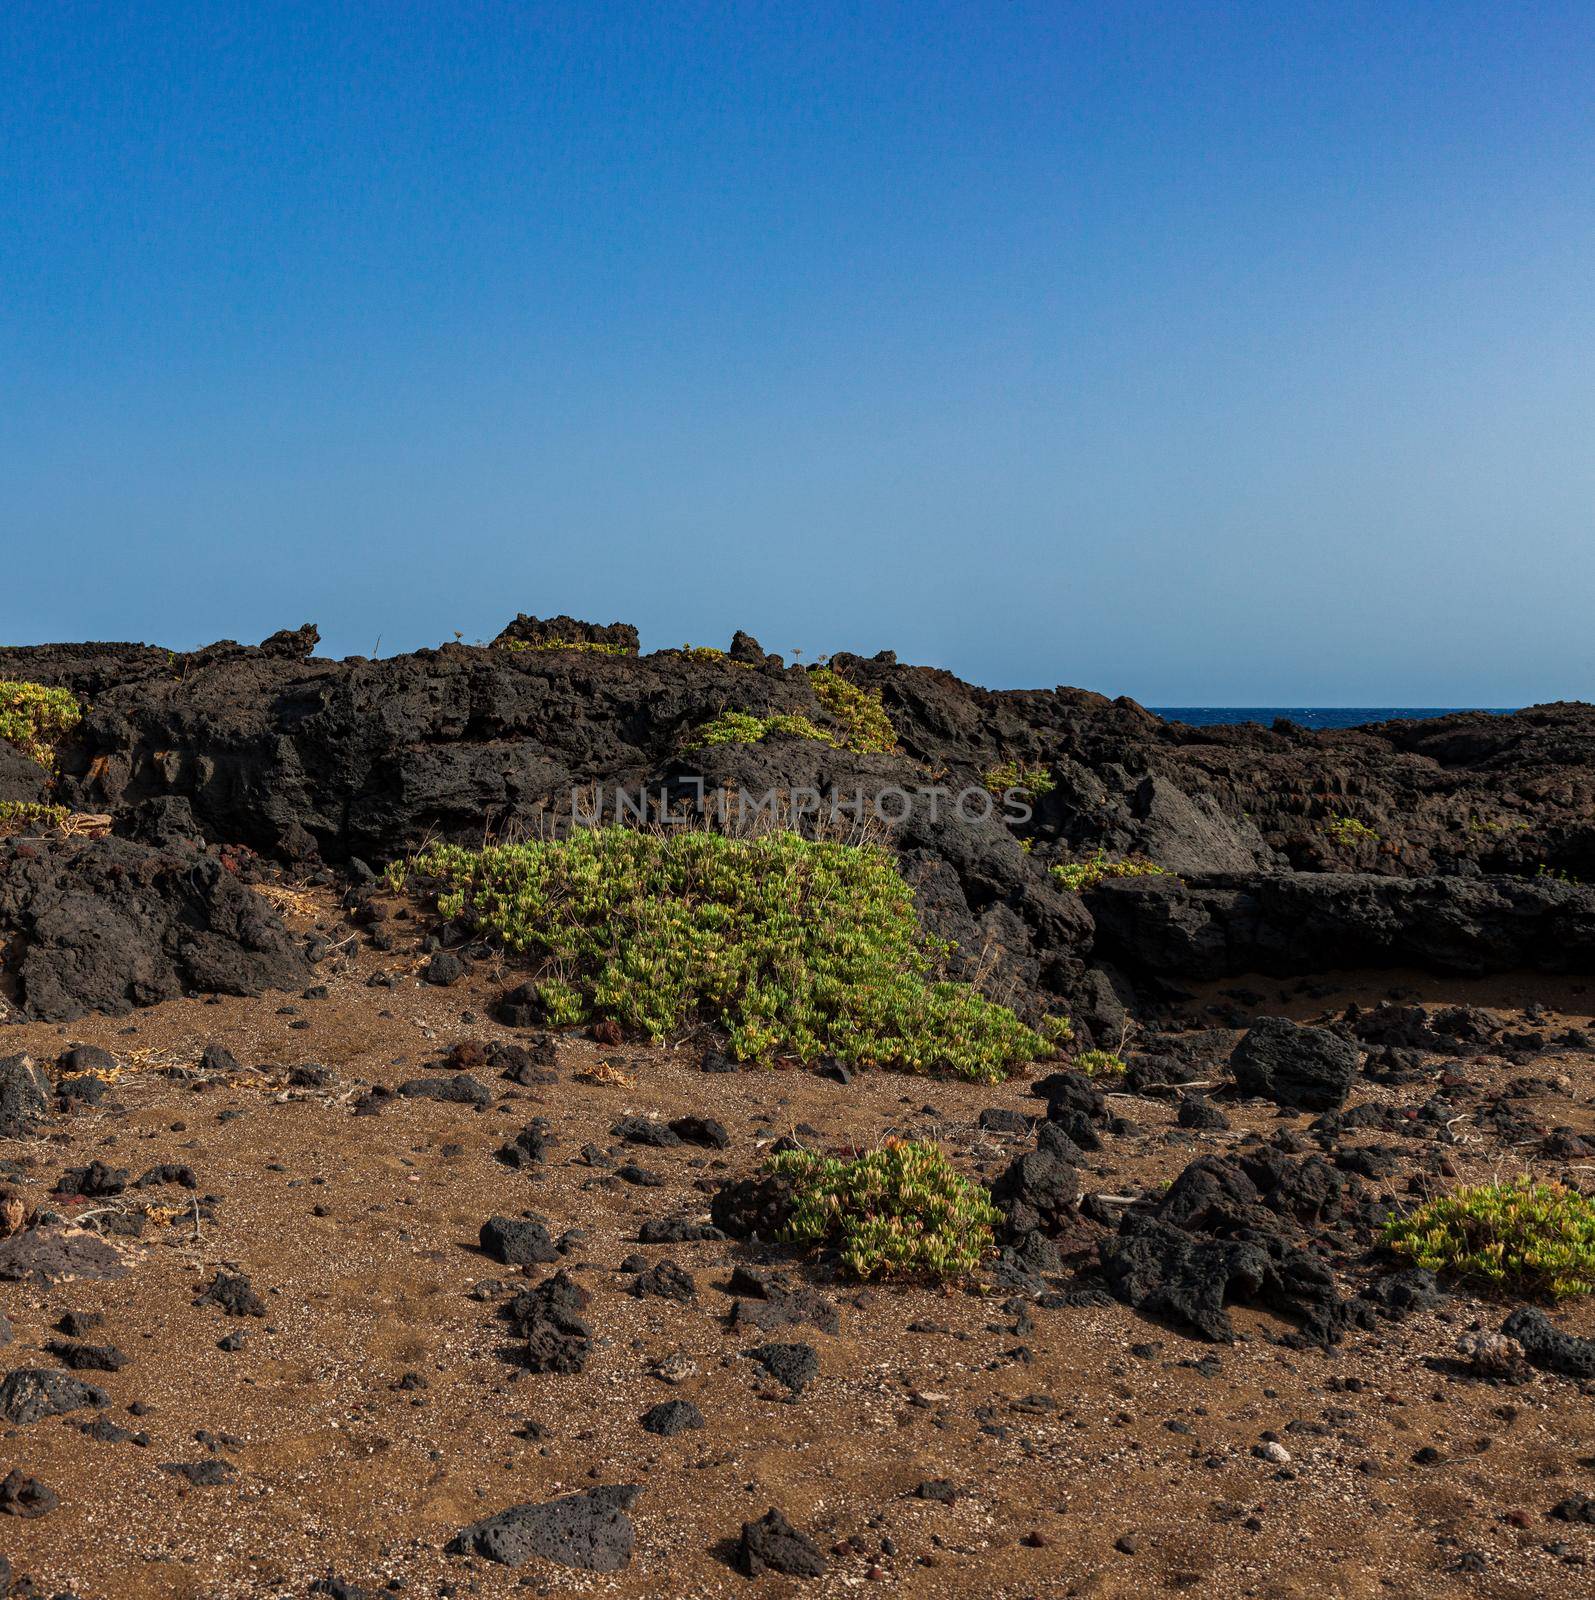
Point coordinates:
pixel 1089 871
pixel 899 1209
pixel 743 727
pixel 709 652
pixel 1556 874
pixel 592 646
pixel 859 713
pixel 33 718
pixel 1349 832
pixel 1032 779
pixel 1099 1063
pixel 1056 1030
pixel 16 814
pixel 1478 825
pixel 1531 1237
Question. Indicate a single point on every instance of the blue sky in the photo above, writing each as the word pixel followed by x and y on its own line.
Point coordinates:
pixel 1205 353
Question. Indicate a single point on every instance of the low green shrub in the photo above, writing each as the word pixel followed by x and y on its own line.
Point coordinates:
pixel 1099 1063
pixel 1021 777
pixel 743 727
pixel 1348 831
pixel 900 1209
pixel 797 947
pixel 859 713
pixel 1056 1030
pixel 1531 1237
pixel 33 718
pixel 1556 874
pixel 591 646
pixel 30 814
pixel 710 652
pixel 1088 872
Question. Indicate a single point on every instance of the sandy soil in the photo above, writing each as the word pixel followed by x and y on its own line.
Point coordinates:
pixel 1094 1453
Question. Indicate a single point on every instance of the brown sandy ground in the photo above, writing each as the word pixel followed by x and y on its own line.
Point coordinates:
pixel 1093 1455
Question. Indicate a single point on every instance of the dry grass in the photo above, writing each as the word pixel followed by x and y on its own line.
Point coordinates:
pixel 298 902
pixel 606 1072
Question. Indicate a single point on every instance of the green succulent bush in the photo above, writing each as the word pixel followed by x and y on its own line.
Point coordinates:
pixel 1537 1238
pixel 1089 871
pixel 898 1210
pixel 1556 874
pixel 743 727
pixel 591 646
pixel 33 718
pixel 710 652
pixel 31 814
pixel 1099 1063
pixel 797 947
pixel 1348 831
pixel 1056 1030
pixel 1022 777
pixel 859 713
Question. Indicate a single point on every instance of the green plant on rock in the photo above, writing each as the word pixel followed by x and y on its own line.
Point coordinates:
pixel 1031 779
pixel 1496 825
pixel 796 947
pixel 1056 1030
pixel 865 726
pixel 743 727
pixel 30 814
pixel 1099 1063
pixel 709 652
pixel 1349 832
pixel 902 1209
pixel 1556 874
pixel 1531 1237
pixel 591 646
pixel 1089 871
pixel 33 717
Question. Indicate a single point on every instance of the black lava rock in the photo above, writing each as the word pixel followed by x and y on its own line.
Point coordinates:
pixel 589 1531
pixel 671 1417
pixel 517 1241
pixel 1309 1069
pixel 772 1544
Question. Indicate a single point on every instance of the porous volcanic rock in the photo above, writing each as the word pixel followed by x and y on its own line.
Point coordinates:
pixel 1309 1069
pixel 307 759
pixel 108 924
pixel 589 1531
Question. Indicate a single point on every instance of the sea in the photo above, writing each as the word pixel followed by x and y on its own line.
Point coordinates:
pixel 1309 716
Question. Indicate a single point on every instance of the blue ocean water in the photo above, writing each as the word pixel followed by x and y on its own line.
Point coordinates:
pixel 1307 716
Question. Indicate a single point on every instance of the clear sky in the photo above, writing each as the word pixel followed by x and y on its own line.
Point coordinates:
pixel 1205 353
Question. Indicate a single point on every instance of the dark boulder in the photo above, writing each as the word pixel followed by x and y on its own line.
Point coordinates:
pixel 589 1531
pixel 460 1089
pixel 753 1208
pixel 29 1394
pixel 1547 1347
pixel 671 1417
pixel 1308 1069
pixel 1226 1231
pixel 772 1544
pixel 517 1241
pixel 1038 1190
pixel 554 631
pixel 554 1335
pixel 24 1097
pixel 107 924
pixel 1286 923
